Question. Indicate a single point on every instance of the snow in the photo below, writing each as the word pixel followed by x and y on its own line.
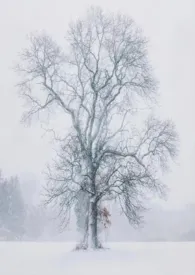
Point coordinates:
pixel 120 258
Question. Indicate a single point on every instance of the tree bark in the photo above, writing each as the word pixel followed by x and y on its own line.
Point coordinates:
pixel 84 243
pixel 94 226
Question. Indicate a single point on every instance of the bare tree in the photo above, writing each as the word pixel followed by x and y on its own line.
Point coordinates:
pixel 98 84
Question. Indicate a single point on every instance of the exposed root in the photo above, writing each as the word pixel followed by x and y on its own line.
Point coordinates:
pixel 84 247
pixel 81 246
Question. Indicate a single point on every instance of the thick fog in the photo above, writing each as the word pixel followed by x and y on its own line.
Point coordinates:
pixel 24 152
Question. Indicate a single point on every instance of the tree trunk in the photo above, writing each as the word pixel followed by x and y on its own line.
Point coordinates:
pixel 94 243
pixel 84 243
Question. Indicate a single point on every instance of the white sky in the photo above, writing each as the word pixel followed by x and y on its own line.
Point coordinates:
pixel 170 26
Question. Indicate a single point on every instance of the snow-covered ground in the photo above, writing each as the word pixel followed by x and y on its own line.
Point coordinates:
pixel 121 258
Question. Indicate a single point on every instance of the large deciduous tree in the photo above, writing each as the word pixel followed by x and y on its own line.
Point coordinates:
pixel 98 81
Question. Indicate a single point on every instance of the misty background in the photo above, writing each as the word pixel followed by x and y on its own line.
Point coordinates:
pixel 24 152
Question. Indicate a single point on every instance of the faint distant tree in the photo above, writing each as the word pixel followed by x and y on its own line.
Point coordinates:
pixel 99 83
pixel 12 208
pixel 35 222
pixel 188 236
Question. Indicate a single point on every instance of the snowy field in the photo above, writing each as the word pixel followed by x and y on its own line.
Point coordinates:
pixel 121 258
